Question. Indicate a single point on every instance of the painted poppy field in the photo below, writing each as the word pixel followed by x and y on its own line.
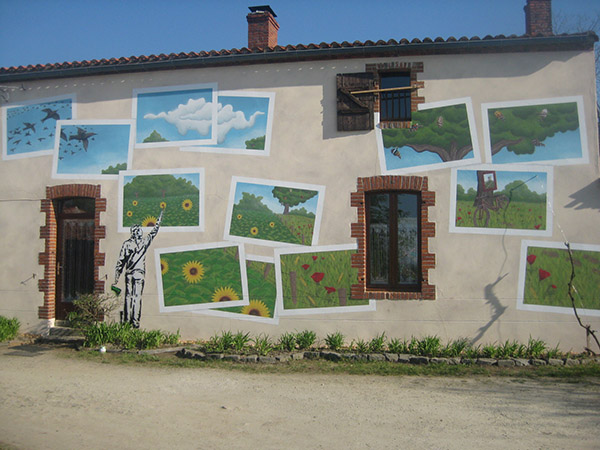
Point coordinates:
pixel 289 228
pixel 261 288
pixel 517 215
pixel 180 210
pixel 318 280
pixel 201 276
pixel 548 273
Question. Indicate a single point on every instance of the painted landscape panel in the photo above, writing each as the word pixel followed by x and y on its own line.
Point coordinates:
pixel 92 149
pixel 207 276
pixel 178 192
pixel 318 279
pixel 491 201
pixel 30 128
pixel 274 212
pixel 545 274
pixel 536 131
pixel 441 135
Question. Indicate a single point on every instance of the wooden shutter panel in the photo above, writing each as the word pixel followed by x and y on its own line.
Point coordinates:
pixel 355 112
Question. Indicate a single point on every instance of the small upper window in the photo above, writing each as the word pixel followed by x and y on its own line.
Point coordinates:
pixel 395 104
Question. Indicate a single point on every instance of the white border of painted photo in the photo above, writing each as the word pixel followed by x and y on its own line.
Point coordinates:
pixel 240 121
pixel 562 149
pixel 429 159
pixel 260 189
pixel 241 316
pixel 186 110
pixel 94 152
pixel 44 134
pixel 281 311
pixel 199 200
pixel 521 305
pixel 206 303
pixel 511 171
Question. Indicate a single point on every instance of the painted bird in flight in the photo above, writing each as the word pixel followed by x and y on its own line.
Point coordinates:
pixel 82 136
pixel 50 114
pixel 29 126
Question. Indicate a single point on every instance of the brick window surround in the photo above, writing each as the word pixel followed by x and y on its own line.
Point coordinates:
pixel 414 68
pixel 48 232
pixel 359 231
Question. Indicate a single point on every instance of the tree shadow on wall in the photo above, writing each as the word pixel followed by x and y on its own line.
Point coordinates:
pixel 497 307
pixel 587 197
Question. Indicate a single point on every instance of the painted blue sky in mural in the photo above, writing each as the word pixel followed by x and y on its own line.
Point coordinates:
pixel 90 149
pixel 535 181
pixel 31 128
pixel 241 119
pixel 185 115
pixel 266 192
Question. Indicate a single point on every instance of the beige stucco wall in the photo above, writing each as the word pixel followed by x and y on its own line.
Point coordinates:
pixel 476 275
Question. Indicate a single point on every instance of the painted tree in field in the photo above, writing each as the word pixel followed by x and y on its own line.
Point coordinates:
pixel 443 131
pixel 290 197
pixel 159 186
pixel 523 129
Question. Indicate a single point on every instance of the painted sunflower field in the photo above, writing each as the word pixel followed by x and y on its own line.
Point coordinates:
pixel 201 276
pixel 289 228
pixel 180 211
pixel 548 273
pixel 318 280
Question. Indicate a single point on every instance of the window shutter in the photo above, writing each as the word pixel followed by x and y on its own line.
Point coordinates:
pixel 355 112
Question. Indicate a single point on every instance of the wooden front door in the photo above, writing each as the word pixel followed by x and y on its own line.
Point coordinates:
pixel 75 251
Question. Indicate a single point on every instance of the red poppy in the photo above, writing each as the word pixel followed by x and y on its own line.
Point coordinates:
pixel 317 276
pixel 543 274
pixel 553 286
pixel 531 259
pixel 537 227
pixel 314 257
pixel 469 212
pixel 459 218
pixel 329 289
pixel 305 266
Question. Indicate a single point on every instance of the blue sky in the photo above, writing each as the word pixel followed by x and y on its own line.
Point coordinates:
pixel 51 31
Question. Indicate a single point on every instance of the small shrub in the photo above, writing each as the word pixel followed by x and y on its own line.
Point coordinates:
pixel 510 350
pixel 455 348
pixel 395 345
pixel 535 348
pixel 262 344
pixel 361 346
pixel 489 351
pixel 240 340
pixel 377 344
pixel 9 328
pixel 126 337
pixel 553 352
pixel 334 341
pixel 91 309
pixel 305 339
pixel 472 352
pixel 429 346
pixel 287 342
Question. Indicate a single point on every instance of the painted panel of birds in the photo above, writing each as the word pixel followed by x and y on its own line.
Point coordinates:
pixel 92 149
pixel 31 128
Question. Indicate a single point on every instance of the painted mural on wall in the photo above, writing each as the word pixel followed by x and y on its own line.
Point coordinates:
pixel 180 191
pixel 485 200
pixel 262 289
pixel 545 273
pixel 203 276
pixel 175 116
pixel 132 262
pixel 442 134
pixel 274 212
pixel 317 280
pixel 244 123
pixel 547 130
pixel 92 149
pixel 30 127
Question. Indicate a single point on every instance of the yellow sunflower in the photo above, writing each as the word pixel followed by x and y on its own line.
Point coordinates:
pixel 254 231
pixel 163 205
pixel 193 271
pixel 134 203
pixel 272 224
pixel 164 266
pixel 239 216
pixel 225 294
pixel 149 221
pixel 256 308
pixel 187 204
pixel 129 213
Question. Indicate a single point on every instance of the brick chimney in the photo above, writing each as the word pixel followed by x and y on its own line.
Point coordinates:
pixel 538 17
pixel 262 27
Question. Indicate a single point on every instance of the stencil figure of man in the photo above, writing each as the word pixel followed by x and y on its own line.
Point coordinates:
pixel 132 260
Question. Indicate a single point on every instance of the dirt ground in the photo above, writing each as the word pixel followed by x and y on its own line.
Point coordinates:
pixel 53 402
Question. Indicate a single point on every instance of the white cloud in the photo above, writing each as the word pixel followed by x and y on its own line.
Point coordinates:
pixel 229 119
pixel 194 115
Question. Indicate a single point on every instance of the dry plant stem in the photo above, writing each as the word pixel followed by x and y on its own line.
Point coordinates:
pixel 588 328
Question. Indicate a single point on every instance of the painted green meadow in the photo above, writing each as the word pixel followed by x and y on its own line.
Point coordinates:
pixel 262 290
pixel 201 276
pixel 318 280
pixel 548 273
pixel 517 215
